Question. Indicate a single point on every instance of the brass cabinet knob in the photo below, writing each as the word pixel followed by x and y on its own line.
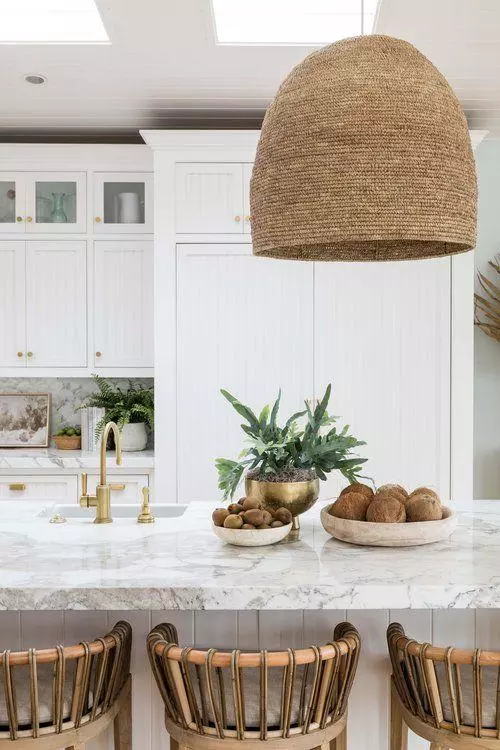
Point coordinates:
pixel 247 218
pixel 19 218
pixel 29 219
pixel 117 486
pixel 20 354
pixel 17 487
pixel 30 354
pixel 97 219
pixel 98 354
pixel 237 218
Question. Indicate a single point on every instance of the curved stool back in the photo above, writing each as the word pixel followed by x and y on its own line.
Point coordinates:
pixel 225 697
pixel 449 696
pixel 64 696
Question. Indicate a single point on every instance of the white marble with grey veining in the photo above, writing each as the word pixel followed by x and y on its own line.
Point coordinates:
pixel 180 564
pixel 42 459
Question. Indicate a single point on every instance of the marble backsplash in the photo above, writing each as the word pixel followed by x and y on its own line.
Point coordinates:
pixel 66 394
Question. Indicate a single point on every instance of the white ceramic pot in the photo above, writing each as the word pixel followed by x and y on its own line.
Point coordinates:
pixel 134 437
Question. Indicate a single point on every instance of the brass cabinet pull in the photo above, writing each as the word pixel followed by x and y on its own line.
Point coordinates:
pixel 20 354
pixel 17 486
pixel 237 218
pixel 248 218
pixel 98 354
pixel 19 218
pixel 117 486
pixel 97 219
pixel 29 219
pixel 30 354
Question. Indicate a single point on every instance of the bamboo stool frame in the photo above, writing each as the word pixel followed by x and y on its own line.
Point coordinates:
pixel 416 701
pixel 322 711
pixel 101 667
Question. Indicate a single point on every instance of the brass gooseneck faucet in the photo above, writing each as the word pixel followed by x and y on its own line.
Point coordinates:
pixel 101 499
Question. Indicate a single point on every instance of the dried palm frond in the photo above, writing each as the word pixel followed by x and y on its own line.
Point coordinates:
pixel 487 309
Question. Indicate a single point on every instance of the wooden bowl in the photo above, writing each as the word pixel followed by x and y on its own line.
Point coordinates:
pixel 68 442
pixel 252 537
pixel 407 534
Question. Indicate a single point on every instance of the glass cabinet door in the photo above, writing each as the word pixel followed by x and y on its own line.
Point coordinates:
pixel 123 202
pixel 12 203
pixel 56 202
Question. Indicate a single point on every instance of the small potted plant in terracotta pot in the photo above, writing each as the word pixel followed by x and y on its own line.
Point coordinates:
pixel 284 465
pixel 68 439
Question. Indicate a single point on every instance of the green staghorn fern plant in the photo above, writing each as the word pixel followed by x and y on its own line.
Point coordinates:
pixel 136 404
pixel 290 453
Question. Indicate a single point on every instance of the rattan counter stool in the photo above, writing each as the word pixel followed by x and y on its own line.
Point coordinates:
pixel 226 699
pixel 64 696
pixel 448 696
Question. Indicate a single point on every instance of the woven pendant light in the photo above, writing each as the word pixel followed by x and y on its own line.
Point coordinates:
pixel 364 155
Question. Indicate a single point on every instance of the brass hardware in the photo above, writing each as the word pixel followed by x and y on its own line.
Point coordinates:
pixel 30 354
pixel 17 486
pixel 57 518
pixel 97 219
pixel 98 354
pixel 145 513
pixel 248 218
pixel 237 218
pixel 19 218
pixel 19 354
pixel 116 487
pixel 101 500
pixel 29 219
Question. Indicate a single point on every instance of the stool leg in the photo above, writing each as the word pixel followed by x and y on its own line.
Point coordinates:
pixel 122 724
pixel 174 745
pixel 340 742
pixel 399 730
pixel 79 746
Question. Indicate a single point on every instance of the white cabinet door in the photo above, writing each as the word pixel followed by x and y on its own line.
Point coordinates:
pixel 123 203
pixel 56 303
pixel 382 337
pixel 244 324
pixel 247 176
pixel 54 488
pixel 12 202
pixel 209 198
pixel 125 488
pixel 12 304
pixel 123 304
pixel 55 202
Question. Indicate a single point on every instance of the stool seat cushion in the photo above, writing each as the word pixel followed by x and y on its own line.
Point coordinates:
pixel 489 678
pixel 21 683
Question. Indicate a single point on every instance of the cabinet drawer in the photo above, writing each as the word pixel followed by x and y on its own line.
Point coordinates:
pixel 125 488
pixel 43 488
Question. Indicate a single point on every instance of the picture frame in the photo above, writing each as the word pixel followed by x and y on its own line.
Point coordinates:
pixel 24 420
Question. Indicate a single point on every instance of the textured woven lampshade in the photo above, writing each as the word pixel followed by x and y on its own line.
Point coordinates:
pixel 364 155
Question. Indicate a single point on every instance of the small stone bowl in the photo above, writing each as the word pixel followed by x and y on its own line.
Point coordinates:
pixel 252 537
pixel 409 534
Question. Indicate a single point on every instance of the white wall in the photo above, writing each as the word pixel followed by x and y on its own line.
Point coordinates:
pixel 487 351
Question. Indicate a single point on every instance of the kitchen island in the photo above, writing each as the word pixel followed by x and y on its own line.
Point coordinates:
pixel 68 582
pixel 178 564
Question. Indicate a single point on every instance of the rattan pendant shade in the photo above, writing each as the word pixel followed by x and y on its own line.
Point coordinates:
pixel 364 155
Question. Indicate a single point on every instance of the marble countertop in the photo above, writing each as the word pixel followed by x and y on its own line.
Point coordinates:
pixel 35 459
pixel 180 564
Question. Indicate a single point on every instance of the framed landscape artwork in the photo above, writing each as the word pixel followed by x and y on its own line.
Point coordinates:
pixel 24 420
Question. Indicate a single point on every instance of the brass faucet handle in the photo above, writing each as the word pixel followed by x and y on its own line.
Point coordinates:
pixel 84 483
pixel 145 514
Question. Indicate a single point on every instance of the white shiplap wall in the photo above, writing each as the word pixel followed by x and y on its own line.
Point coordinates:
pixel 369 703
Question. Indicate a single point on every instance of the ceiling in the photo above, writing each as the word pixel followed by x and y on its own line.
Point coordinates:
pixel 163 69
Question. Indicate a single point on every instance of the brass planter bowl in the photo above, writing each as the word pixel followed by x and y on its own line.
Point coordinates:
pixel 296 496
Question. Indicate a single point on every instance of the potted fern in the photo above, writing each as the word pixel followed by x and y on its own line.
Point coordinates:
pixel 132 410
pixel 284 465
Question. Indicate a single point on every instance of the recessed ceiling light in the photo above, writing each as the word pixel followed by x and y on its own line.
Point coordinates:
pixel 291 22
pixel 51 22
pixel 35 79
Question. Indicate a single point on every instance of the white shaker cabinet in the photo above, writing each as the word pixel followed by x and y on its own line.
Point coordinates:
pixel 12 304
pixel 56 321
pixel 244 324
pixel 123 303
pixel 209 198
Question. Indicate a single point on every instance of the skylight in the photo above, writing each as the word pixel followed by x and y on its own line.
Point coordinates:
pixel 51 22
pixel 289 22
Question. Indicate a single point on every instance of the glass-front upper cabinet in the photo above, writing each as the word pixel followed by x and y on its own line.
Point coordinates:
pixel 56 202
pixel 42 202
pixel 123 202
pixel 12 202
